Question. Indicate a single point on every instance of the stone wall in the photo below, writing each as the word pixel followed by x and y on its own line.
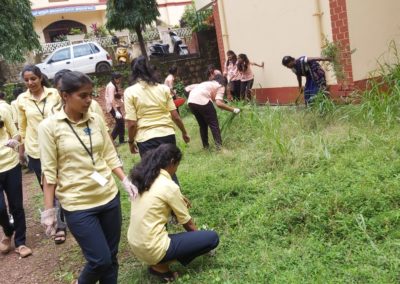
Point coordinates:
pixel 10 72
pixel 192 67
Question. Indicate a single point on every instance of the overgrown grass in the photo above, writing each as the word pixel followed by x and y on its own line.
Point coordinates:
pixel 297 196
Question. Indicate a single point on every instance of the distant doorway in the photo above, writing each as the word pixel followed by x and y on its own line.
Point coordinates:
pixel 53 31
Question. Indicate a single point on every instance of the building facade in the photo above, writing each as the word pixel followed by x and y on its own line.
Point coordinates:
pixel 268 30
pixel 58 17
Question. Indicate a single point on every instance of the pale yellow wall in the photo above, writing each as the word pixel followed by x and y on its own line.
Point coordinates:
pixel 372 25
pixel 87 19
pixel 201 4
pixel 38 4
pixel 171 14
pixel 267 30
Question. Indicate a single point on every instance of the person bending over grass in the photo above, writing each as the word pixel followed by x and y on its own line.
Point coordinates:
pixel 211 72
pixel 312 70
pixel 158 197
pixel 200 103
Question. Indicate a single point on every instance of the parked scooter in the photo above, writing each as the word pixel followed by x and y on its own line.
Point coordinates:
pixel 179 47
pixel 159 49
pixel 122 54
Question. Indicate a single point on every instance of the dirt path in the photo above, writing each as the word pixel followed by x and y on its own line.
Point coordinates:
pixel 49 263
pixel 46 263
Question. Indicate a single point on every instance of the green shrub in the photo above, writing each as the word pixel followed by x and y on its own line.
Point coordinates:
pixel 8 90
pixel 197 21
pixel 75 31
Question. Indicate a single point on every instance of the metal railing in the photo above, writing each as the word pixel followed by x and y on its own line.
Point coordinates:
pixel 148 36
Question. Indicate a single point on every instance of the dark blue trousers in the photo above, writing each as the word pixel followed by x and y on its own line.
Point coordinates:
pixel 206 117
pixel 153 144
pixel 36 166
pixel 98 231
pixel 11 187
pixel 119 128
pixel 311 89
pixel 185 247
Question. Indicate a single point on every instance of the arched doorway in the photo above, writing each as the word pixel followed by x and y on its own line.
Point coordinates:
pixel 54 30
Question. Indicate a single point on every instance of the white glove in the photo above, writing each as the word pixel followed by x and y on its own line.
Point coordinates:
pixel 12 143
pixel 130 188
pixel 118 115
pixel 236 110
pixel 49 220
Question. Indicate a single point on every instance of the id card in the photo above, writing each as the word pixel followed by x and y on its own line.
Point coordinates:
pixel 98 178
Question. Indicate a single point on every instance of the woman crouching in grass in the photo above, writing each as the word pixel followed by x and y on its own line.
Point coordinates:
pixel 159 196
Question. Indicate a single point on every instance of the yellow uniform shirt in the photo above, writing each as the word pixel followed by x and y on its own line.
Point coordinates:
pixel 150 211
pixel 150 106
pixel 8 157
pixel 6 106
pixel 94 107
pixel 30 113
pixel 14 110
pixel 66 163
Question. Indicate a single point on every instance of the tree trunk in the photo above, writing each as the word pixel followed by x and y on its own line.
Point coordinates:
pixel 138 31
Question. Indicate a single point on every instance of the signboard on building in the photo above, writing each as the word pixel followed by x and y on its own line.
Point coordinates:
pixel 63 10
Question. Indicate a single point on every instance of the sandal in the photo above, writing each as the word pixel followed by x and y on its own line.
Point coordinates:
pixel 60 236
pixel 23 251
pixel 166 277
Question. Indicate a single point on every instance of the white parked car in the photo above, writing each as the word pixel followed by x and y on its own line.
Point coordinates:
pixel 88 57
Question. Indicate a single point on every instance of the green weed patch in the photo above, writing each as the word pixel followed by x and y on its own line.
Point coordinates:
pixel 296 196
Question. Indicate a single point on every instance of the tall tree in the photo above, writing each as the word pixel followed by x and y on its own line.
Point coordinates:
pixel 133 15
pixel 17 35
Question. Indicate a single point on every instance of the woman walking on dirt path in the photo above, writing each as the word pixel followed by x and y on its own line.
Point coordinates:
pixel 246 75
pixel 114 106
pixel 232 74
pixel 11 187
pixel 158 197
pixel 78 159
pixel 312 70
pixel 34 105
pixel 200 102
pixel 61 229
pixel 94 105
pixel 150 111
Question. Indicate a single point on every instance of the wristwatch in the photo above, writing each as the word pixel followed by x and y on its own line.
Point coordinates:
pixel 131 141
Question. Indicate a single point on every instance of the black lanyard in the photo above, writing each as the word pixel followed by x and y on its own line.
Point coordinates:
pixel 80 140
pixel 41 111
